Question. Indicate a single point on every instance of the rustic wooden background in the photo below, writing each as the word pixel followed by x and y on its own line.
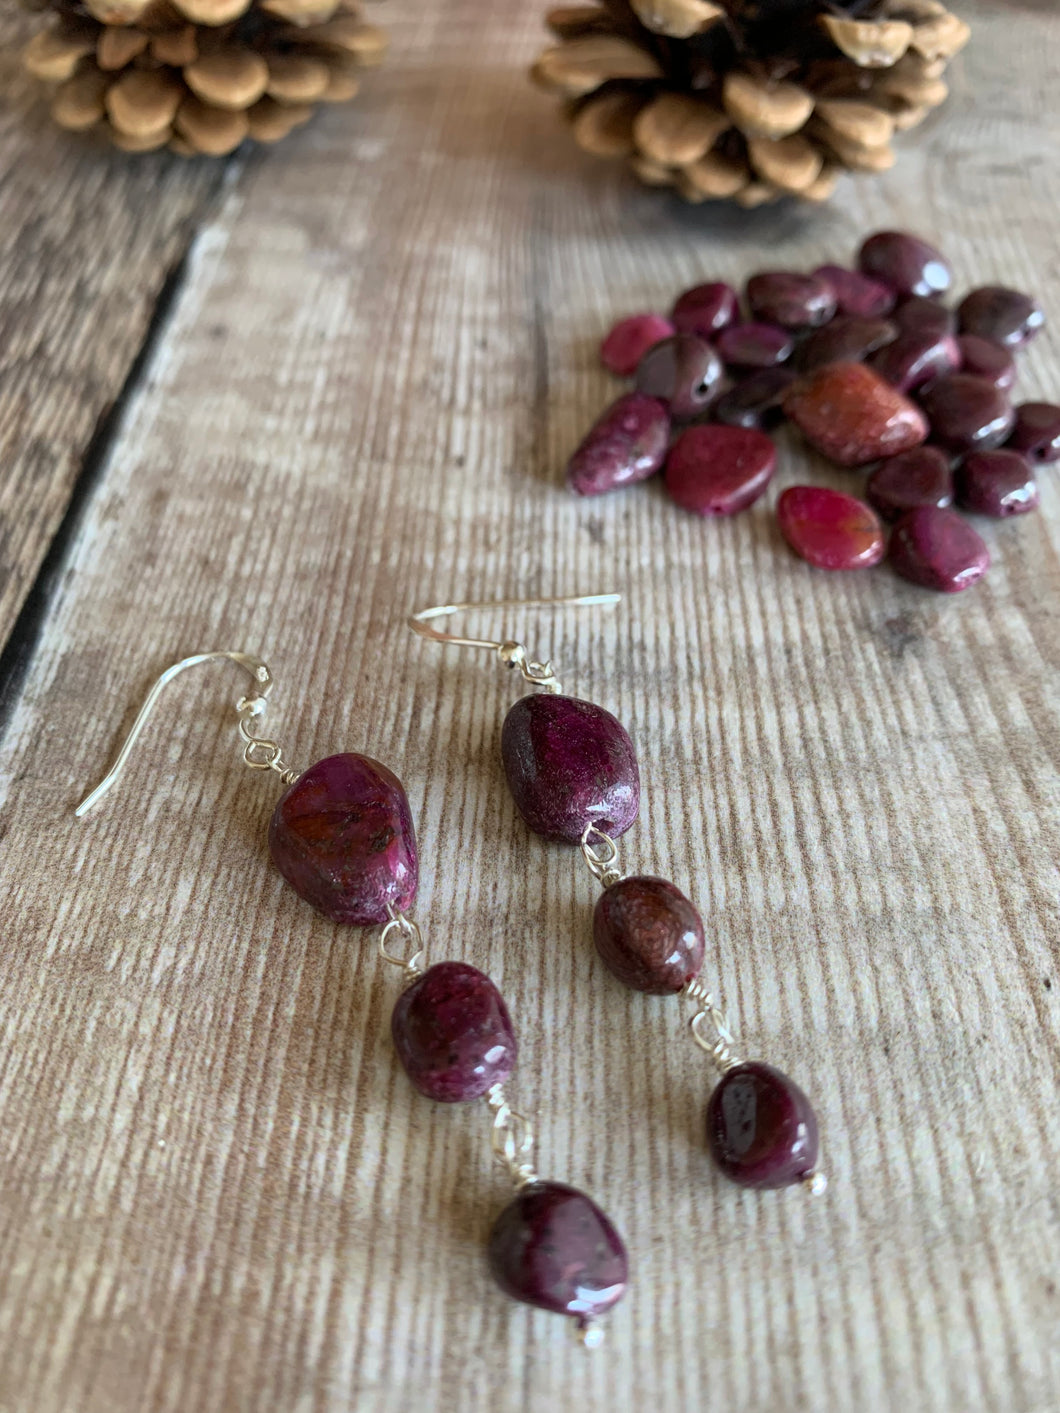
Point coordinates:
pixel 274 404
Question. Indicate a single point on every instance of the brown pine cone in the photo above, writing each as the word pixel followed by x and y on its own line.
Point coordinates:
pixel 749 99
pixel 199 75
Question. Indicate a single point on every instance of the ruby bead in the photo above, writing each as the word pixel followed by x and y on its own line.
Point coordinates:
pixel 1003 315
pixel 754 346
pixel 850 414
pixel 997 483
pixel 905 263
pixel 918 477
pixel 913 359
pixel 761 1128
pixel 757 401
pixel 791 300
pixel 630 339
pixel 984 359
pixel 684 371
pixel 627 444
pixel 966 413
pixel 569 764
pixel 553 1247
pixel 719 470
pixel 829 529
pixel 649 935
pixel 920 315
pixel 706 309
pixel 1037 431
pixel 938 549
pixel 847 339
pixel 453 1034
pixel 857 294
pixel 343 838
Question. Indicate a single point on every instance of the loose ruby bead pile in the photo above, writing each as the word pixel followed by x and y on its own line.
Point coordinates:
pixel 877 374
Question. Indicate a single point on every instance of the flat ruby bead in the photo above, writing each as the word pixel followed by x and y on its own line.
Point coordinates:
pixel 706 309
pixel 793 301
pixel 625 445
pixel 913 359
pixel 343 838
pixel 984 359
pixel 453 1034
pixel 916 478
pixel 1037 431
pixel 906 263
pixel 630 339
pixel 649 935
pixel 754 346
pixel 938 549
pixel 719 470
pixel 997 483
pixel 856 293
pixel 684 371
pixel 1004 315
pixel 761 1128
pixel 757 401
pixel 553 1247
pixel 966 413
pixel 569 764
pixel 830 530
pixel 920 315
pixel 847 339
pixel 851 415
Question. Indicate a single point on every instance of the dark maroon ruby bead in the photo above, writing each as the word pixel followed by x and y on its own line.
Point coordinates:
pixel 918 477
pixel 1037 431
pixel 754 346
pixel 627 444
pixel 914 359
pixel 684 371
pixel 905 263
pixel 553 1247
pixel 342 836
pixel 938 549
pixel 629 341
pixel 920 315
pixel 453 1033
pixel 649 935
pixel 847 339
pixel 791 300
pixel 1004 315
pixel 757 401
pixel 761 1127
pixel 569 764
pixel 706 309
pixel 856 293
pixel 984 359
pixel 998 483
pixel 719 470
pixel 966 413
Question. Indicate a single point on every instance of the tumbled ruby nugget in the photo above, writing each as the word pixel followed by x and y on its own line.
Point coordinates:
pixel 761 1127
pixel 453 1034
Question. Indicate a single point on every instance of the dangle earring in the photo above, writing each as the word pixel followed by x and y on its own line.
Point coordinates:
pixel 342 835
pixel 573 774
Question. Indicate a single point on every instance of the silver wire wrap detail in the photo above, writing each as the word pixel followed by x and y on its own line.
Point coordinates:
pixel 259 752
pixel 511 1138
pixel 720 1044
pixel 602 858
pixel 415 965
pixel 538 674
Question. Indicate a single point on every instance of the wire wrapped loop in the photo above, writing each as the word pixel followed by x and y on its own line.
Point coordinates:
pixel 415 965
pixel 511 1138
pixel 602 857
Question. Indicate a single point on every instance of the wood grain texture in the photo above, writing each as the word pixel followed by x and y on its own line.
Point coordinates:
pixel 217 1192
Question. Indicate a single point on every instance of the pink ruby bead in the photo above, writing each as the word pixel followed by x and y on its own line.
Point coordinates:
pixel 792 300
pixel 829 529
pixel 754 346
pixel 1004 315
pixel 342 836
pixel 997 483
pixel 848 412
pixel 630 339
pixel 847 339
pixel 649 935
pixel 453 1034
pixel 906 263
pixel 984 359
pixel 684 371
pixel 625 445
pixel 966 413
pixel 761 1128
pixel 706 309
pixel 719 470
pixel 913 359
pixel 857 294
pixel 1037 432
pixel 918 477
pixel 938 549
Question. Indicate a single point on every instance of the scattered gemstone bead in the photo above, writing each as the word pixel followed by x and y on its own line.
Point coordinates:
pixel 921 315
pixel 998 483
pixel 754 346
pixel 1037 431
pixel 719 470
pixel 918 477
pixel 649 935
pixel 1003 315
pixel 966 413
pixel 850 414
pixel 791 300
pixel 984 359
pixel 829 529
pixel 630 339
pixel 343 838
pixel 706 310
pixel 553 1247
pixel 905 263
pixel 914 359
pixel 857 294
pixel 569 764
pixel 761 1128
pixel 847 339
pixel 938 549
pixel 627 444
pixel 453 1033
pixel 756 401
pixel 684 371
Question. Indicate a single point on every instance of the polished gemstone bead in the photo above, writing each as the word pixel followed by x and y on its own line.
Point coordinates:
pixel 627 444
pixel 984 359
pixel 706 309
pixel 684 371
pixel 343 838
pixel 756 401
pixel 569 764
pixel 648 934
pixel 553 1247
pixel 966 413
pixel 453 1033
pixel 1037 431
pixel 918 477
pixel 791 300
pixel 914 359
pixel 847 339
pixel 920 315
pixel 719 470
pixel 905 263
pixel 851 415
pixel 938 549
pixel 857 294
pixel 630 339
pixel 761 1128
pixel 829 529
pixel 754 346
pixel 1004 315
pixel 998 483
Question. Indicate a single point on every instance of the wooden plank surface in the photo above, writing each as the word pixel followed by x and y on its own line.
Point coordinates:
pixel 217 1191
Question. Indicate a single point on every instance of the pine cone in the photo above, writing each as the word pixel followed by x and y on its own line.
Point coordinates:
pixel 199 75
pixel 749 99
